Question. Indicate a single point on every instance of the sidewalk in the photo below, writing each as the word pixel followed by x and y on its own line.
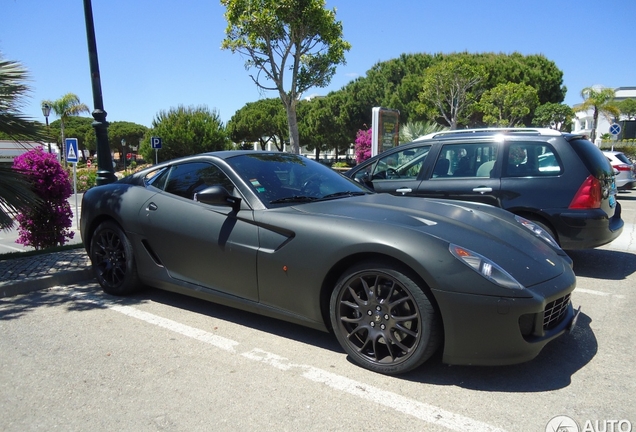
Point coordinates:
pixel 23 275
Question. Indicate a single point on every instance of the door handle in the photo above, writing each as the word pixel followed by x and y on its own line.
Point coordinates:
pixel 482 190
pixel 404 190
pixel 152 207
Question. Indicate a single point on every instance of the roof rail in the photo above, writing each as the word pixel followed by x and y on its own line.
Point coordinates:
pixel 463 132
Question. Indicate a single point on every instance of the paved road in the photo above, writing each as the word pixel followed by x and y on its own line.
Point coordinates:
pixel 8 238
pixel 73 358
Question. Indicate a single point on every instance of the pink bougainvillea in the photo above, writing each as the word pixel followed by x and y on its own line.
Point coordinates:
pixel 363 145
pixel 47 225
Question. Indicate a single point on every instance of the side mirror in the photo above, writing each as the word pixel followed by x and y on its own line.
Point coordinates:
pixel 218 195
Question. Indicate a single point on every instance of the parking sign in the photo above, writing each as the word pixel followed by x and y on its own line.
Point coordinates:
pixel 155 142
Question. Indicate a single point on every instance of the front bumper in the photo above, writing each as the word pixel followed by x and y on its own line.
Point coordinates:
pixel 486 330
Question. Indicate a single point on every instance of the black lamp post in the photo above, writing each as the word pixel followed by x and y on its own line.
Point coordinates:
pixel 46 110
pixel 105 172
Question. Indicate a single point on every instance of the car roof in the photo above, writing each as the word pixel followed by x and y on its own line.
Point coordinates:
pixel 485 132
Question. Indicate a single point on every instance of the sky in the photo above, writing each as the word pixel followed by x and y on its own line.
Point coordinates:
pixel 158 54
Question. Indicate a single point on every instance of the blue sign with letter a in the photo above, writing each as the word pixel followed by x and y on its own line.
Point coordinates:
pixel 72 154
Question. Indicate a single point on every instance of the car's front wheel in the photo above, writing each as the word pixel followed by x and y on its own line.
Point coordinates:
pixel 383 318
pixel 113 261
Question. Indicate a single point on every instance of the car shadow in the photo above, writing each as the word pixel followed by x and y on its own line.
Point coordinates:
pixel 251 320
pixel 626 195
pixel 603 263
pixel 551 370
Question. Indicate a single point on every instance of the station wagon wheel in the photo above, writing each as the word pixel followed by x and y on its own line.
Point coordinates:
pixel 545 227
pixel 383 319
pixel 113 261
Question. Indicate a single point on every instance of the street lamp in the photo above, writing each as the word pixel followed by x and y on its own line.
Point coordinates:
pixel 123 149
pixel 105 173
pixel 46 110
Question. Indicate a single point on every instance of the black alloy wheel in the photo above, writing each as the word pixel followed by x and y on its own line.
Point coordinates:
pixel 383 319
pixel 113 261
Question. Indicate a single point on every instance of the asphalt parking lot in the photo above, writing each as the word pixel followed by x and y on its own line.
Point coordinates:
pixel 73 358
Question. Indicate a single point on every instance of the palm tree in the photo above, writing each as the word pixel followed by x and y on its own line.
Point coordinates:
pixel 16 194
pixel 411 131
pixel 601 100
pixel 65 107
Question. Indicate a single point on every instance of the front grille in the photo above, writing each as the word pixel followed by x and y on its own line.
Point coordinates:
pixel 555 312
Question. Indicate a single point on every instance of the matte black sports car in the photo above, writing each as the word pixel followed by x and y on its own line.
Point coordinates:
pixel 395 278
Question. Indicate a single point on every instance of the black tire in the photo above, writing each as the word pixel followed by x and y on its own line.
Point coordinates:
pixel 383 319
pixel 113 260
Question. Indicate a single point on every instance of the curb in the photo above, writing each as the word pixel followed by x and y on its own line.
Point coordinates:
pixel 48 281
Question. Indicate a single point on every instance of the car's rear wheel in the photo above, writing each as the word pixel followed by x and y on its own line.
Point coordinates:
pixel 113 260
pixel 383 319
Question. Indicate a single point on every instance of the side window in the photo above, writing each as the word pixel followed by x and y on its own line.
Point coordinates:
pixel 403 164
pixel 532 159
pixel 465 160
pixel 187 179
pixel 157 178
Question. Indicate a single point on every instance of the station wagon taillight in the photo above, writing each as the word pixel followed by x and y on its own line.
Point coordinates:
pixel 588 196
pixel 623 167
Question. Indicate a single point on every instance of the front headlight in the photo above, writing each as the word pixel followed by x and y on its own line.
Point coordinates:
pixel 485 267
pixel 538 231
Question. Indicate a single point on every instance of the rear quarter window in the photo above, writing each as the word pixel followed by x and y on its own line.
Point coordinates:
pixel 592 157
pixel 532 159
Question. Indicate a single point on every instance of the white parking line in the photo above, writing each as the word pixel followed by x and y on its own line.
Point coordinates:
pixel 598 293
pixel 425 412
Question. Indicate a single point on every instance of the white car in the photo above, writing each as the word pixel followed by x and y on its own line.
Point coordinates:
pixel 626 177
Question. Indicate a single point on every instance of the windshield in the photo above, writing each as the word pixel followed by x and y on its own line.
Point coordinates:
pixel 283 178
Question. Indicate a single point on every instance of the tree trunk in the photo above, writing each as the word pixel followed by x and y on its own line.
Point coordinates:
pixel 292 121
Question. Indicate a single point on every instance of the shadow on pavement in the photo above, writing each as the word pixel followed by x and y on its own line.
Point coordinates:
pixel 603 263
pixel 552 369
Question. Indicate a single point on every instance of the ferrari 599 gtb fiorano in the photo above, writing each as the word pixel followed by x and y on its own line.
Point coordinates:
pixel 394 278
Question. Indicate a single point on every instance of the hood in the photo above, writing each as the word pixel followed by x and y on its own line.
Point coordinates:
pixel 489 231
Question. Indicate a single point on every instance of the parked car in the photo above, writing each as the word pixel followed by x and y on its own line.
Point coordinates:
pixel 626 168
pixel 278 234
pixel 560 181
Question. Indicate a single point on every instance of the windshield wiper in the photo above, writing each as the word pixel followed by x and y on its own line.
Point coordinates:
pixel 343 194
pixel 294 198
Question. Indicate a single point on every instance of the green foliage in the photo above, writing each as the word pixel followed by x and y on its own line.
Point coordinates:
pixel 324 124
pixel 261 121
pixel 448 90
pixel 554 115
pixel 66 107
pixel 86 178
pixel 506 105
pixel 397 84
pixel 601 102
pixel 13 91
pixel 185 131
pixel 16 194
pixel 411 131
pixel 133 133
pixel 75 127
pixel 279 36
pixel 628 108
